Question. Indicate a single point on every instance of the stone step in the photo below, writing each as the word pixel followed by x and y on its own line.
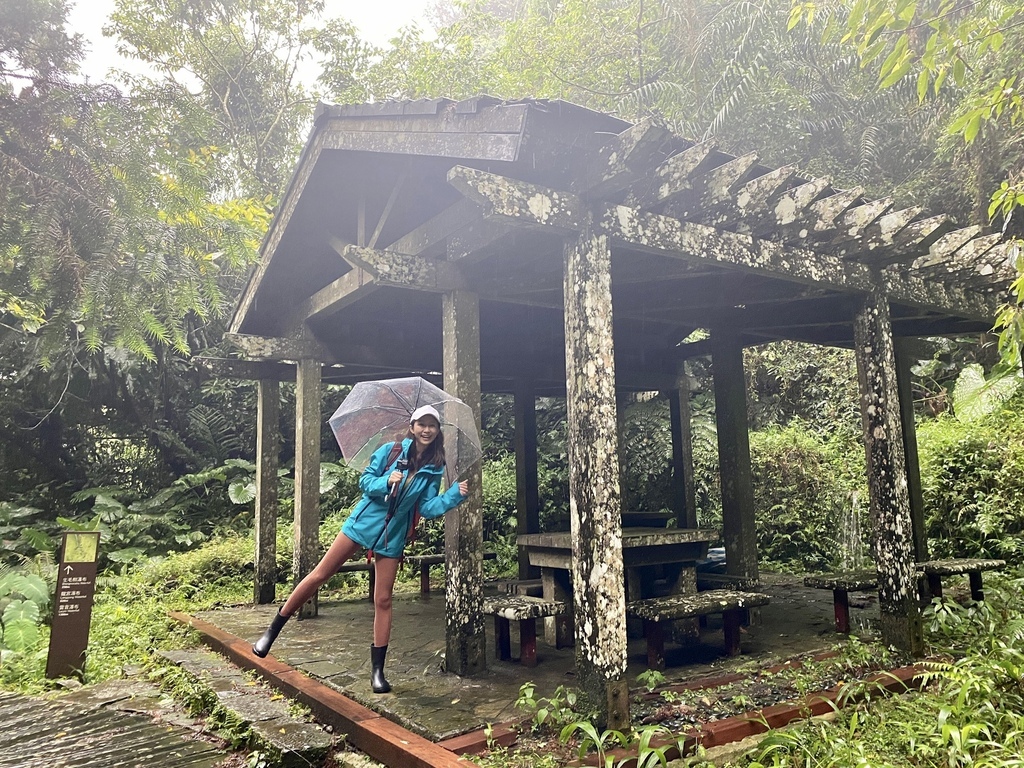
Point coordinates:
pixel 64 734
pixel 290 740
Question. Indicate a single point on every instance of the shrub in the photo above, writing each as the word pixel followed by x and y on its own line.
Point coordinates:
pixel 807 494
pixel 24 600
pixel 972 478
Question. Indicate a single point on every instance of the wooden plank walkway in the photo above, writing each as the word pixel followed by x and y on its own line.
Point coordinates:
pixel 40 732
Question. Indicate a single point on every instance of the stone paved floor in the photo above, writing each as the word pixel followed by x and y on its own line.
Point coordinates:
pixel 115 725
pixel 334 648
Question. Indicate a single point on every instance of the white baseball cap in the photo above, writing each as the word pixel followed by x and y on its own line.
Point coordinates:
pixel 425 410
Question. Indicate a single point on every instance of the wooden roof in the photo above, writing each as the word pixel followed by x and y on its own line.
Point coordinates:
pixel 392 204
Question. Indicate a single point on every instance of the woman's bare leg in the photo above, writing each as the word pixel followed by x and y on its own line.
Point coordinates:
pixel 386 571
pixel 341 550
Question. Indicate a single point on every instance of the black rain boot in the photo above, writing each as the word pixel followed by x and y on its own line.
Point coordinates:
pixel 262 646
pixel 377 657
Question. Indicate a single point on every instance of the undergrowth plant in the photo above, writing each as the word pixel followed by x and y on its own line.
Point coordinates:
pixel 552 712
pixel 24 601
pixel 969 711
pixel 972 477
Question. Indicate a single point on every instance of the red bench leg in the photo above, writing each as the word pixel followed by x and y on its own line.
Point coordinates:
pixel 502 641
pixel 655 644
pixel 424 579
pixel 841 602
pixel 732 620
pixel 528 642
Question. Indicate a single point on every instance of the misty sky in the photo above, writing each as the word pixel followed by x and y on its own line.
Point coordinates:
pixel 378 20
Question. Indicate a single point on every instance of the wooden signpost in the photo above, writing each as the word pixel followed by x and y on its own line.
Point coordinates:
pixel 72 606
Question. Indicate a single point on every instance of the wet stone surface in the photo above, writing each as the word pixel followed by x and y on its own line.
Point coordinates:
pixel 291 740
pixel 334 649
pixel 89 727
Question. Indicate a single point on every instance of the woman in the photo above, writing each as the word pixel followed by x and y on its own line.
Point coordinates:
pixel 399 482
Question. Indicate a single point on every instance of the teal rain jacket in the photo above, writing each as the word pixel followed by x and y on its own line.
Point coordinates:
pixel 368 524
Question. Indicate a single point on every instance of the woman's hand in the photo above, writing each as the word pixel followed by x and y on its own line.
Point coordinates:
pixel 464 488
pixel 395 478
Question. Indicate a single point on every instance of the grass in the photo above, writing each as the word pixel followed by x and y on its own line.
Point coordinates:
pixel 130 619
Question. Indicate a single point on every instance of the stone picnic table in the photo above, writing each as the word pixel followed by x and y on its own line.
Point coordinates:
pixel 643 549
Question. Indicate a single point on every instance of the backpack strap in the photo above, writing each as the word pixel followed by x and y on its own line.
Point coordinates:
pixel 396 449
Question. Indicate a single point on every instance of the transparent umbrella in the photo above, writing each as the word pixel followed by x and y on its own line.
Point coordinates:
pixel 377 412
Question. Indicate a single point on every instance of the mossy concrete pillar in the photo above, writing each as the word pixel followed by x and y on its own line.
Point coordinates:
pixel 594 496
pixel 463 531
pixel 307 476
pixel 892 529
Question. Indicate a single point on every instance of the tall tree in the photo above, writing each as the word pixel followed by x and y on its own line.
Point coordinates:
pixel 976 48
pixel 114 254
pixel 239 76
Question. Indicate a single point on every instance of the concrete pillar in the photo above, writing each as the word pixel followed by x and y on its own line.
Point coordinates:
pixel 908 419
pixel 527 493
pixel 466 652
pixel 892 529
pixel 268 446
pixel 739 529
pixel 595 516
pixel 684 497
pixel 307 476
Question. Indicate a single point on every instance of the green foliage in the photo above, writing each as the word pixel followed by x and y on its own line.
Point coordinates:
pixel 197 576
pixel 975 397
pixel 229 78
pixel 130 614
pixel 789 381
pixel 650 679
pixel 24 600
pixel 808 493
pixel 642 753
pixel 175 518
pixel 549 713
pixel 971 49
pixel 972 483
pixel 499 494
pixel 22 532
pixel 592 739
pixel 969 713
pixel 646 448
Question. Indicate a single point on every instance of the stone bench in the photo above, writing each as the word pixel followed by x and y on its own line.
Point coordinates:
pixel 532 587
pixel 354 566
pixel 657 610
pixel 934 570
pixel 423 562
pixel 709 581
pixel 841 585
pixel 526 610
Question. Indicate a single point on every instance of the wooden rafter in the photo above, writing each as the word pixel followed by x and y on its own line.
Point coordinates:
pixel 278 349
pixel 430 237
pixel 672 178
pixel 622 161
pixel 401 270
pixel 944 248
pixel 530 206
pixel 384 214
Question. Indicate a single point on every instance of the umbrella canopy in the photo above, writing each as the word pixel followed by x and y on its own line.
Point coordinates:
pixel 377 412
